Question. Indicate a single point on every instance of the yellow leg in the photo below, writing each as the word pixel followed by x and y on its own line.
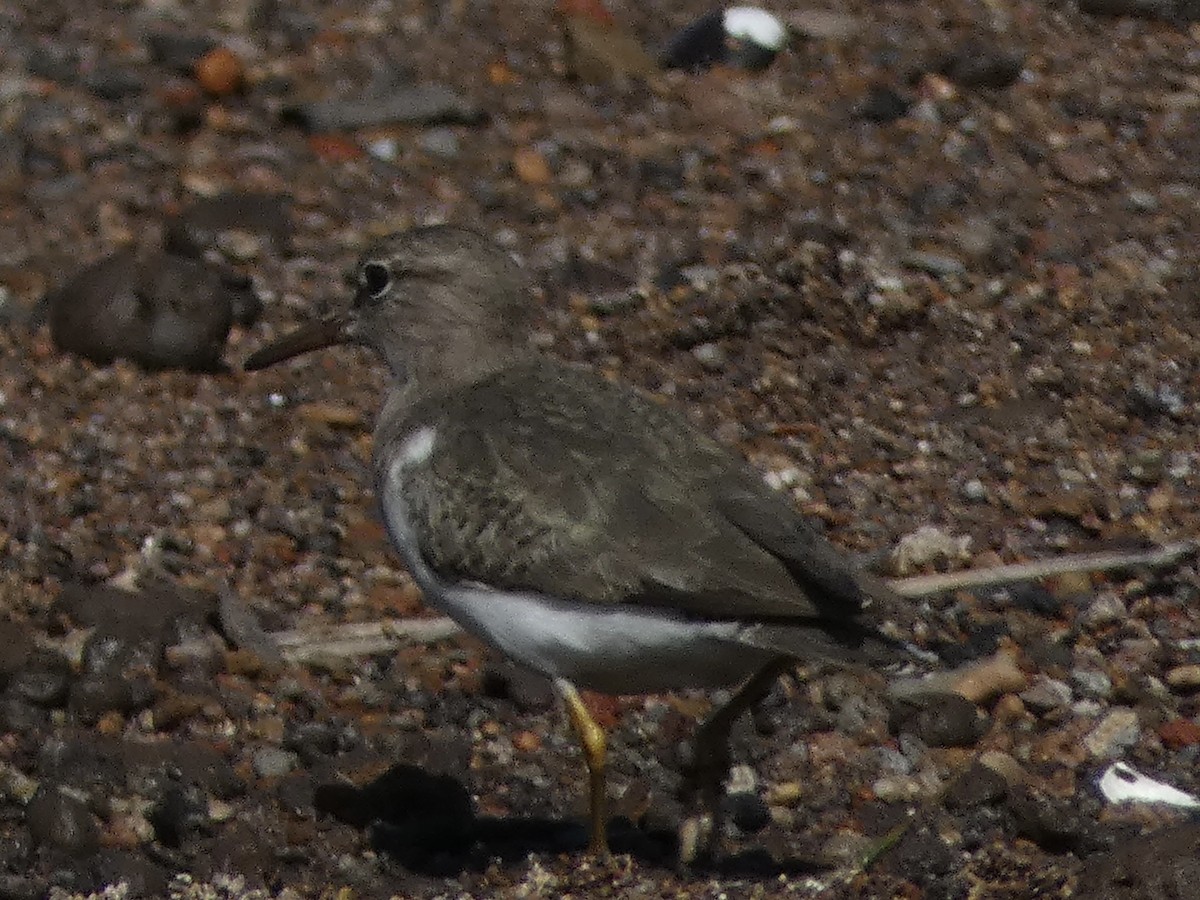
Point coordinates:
pixel 591 739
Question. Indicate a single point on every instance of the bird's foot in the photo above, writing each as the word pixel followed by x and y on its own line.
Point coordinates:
pixel 704 768
pixel 696 843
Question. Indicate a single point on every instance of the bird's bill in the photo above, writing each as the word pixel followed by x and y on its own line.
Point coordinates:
pixel 313 336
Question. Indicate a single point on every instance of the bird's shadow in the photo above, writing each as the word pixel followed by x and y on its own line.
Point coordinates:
pixel 427 824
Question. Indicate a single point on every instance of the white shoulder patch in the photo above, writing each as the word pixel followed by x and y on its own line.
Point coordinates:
pixel 417 448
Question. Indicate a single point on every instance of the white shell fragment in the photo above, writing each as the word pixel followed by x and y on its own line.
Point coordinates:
pixel 1122 783
pixel 749 23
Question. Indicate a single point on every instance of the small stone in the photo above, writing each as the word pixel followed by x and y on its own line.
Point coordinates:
pixel 1106 609
pixel 15 785
pixel 220 71
pixel 897 788
pixel 1115 733
pixel 1046 694
pixel 939 720
pixel 526 741
pixel 747 811
pixel 440 142
pixel 1005 766
pixel 239 246
pixel 1094 685
pixel 977 786
pixel 385 149
pixel 926 546
pixel 1051 823
pixel 847 848
pixel 974 491
pixel 1179 733
pixel 1009 709
pixel 59 817
pixel 1184 679
pixel 936 264
pixel 823 25
pixel 531 166
pixel 274 762
pixel 710 356
pixel 787 793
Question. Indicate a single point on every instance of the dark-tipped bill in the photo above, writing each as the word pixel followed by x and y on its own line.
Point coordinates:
pixel 312 336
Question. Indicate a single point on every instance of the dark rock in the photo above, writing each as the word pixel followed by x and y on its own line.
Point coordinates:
pixel 742 37
pixel 417 104
pixel 15 650
pixel 43 682
pixel 58 818
pixel 1162 865
pixel 22 887
pixel 527 689
pixel 977 786
pixel 883 105
pixel 180 812
pixel 178 51
pixel 977 65
pixel 1052 823
pixel 1035 598
pixel 160 311
pixel 749 812
pixel 110 83
pixel 940 720
pixel 200 227
pixel 142 876
pixel 20 716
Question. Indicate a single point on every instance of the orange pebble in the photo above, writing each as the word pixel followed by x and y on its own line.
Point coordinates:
pixel 220 71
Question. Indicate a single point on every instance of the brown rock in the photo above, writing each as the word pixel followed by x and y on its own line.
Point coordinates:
pixel 220 72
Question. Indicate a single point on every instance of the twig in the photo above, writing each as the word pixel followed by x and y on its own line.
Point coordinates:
pixel 1155 558
pixel 360 638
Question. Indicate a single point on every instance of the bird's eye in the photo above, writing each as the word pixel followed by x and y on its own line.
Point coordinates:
pixel 376 279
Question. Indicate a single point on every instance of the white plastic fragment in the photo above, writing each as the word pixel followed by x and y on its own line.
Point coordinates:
pixel 749 23
pixel 1122 783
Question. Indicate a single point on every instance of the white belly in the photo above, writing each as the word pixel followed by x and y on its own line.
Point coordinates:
pixel 612 649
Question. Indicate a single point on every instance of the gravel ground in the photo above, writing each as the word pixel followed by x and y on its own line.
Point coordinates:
pixel 933 269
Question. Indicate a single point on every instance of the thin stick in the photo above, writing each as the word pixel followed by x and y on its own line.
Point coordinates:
pixel 1154 558
pixel 361 638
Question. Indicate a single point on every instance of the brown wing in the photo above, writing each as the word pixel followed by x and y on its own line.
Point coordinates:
pixel 548 478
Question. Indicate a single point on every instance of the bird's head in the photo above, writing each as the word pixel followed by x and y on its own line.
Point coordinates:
pixel 441 305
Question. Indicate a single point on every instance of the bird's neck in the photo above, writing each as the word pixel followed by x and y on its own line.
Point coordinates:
pixel 418 378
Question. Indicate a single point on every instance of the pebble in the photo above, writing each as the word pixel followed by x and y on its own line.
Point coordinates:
pixel 1046 694
pixel 1184 679
pixel 1091 684
pixel 220 72
pixel 897 788
pixel 1104 610
pixel 274 762
pixel 926 546
pixel 416 104
pixel 974 491
pixel 710 356
pixel 744 37
pixel 1115 733
pixel 15 785
pixel 979 785
pixel 846 849
pixel 440 142
pixel 59 817
pixel 936 264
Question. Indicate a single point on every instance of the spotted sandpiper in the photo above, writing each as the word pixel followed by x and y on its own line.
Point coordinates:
pixel 577 525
